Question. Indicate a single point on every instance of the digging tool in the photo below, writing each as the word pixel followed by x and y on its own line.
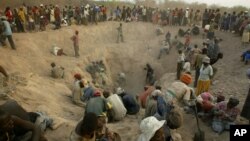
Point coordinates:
pixel 199 135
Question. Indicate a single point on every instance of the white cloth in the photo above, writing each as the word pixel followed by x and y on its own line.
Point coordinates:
pixel 86 13
pixel 54 50
pixel 181 90
pixel 207 27
pixel 117 106
pixel 186 67
pixel 52 15
pixel 144 11
pixel 181 58
pixel 187 14
pixel 206 73
pixel 64 23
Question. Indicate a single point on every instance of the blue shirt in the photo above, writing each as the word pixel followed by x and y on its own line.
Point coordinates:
pixel 163 108
pixel 130 104
pixel 7 31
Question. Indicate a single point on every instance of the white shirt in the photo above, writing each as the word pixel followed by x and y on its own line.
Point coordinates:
pixel 181 58
pixel 187 14
pixel 206 73
pixel 86 13
pixel 144 11
pixel 181 91
pixel 55 50
pixel 186 67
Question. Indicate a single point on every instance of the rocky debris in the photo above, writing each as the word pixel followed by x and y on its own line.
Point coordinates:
pixel 98 72
pixel 8 86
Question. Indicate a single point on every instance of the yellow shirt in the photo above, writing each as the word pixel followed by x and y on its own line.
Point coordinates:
pixel 22 15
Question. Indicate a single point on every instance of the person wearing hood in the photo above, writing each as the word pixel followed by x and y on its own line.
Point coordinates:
pixel 129 102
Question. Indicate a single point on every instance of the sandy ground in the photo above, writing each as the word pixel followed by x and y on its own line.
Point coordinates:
pixel 32 59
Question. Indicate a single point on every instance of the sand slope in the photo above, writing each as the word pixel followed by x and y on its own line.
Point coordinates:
pixel 32 59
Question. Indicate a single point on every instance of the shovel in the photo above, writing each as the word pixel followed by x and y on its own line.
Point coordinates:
pixel 199 135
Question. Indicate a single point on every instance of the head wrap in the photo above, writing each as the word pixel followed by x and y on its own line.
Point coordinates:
pixel 186 78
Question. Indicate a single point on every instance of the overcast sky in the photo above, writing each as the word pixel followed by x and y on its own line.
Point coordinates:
pixel 228 3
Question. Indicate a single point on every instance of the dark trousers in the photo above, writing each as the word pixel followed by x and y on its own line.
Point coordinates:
pixel 179 69
pixel 214 71
pixel 76 48
pixel 10 39
pixel 197 74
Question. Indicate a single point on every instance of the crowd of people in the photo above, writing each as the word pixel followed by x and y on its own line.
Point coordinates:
pixel 162 108
pixel 28 18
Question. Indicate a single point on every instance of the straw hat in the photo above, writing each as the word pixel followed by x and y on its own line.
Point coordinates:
pixel 149 126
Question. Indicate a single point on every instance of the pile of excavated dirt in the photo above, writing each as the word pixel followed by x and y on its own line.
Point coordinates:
pixel 32 59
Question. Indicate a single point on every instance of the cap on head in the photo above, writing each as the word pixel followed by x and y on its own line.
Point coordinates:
pixel 97 93
pixel 206 60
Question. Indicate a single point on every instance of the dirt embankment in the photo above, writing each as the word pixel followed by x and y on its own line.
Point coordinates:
pixel 33 58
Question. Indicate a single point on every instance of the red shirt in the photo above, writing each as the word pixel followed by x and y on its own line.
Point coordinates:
pixel 9 16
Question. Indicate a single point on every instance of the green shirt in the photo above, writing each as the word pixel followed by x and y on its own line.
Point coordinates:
pixel 97 105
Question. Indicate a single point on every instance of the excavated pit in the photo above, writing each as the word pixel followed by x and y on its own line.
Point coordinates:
pixel 32 59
